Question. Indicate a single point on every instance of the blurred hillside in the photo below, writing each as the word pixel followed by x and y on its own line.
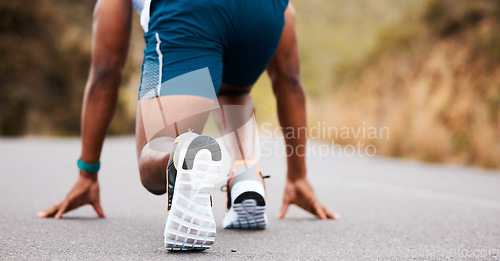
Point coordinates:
pixel 434 80
pixel 45 57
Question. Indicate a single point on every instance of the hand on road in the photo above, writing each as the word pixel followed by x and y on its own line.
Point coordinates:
pixel 301 193
pixel 85 191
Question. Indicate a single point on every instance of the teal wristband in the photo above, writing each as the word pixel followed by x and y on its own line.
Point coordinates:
pixel 88 167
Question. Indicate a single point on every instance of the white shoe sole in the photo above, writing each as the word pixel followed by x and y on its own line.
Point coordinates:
pixel 190 222
pixel 248 209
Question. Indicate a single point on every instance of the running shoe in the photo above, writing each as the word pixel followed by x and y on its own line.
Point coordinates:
pixel 246 196
pixel 193 168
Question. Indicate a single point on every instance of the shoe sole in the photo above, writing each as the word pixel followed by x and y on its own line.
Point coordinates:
pixel 251 210
pixel 190 222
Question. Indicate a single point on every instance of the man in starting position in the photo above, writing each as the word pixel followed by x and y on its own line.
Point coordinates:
pixel 202 57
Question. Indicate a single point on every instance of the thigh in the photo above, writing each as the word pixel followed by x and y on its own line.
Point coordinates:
pixel 254 42
pixel 178 87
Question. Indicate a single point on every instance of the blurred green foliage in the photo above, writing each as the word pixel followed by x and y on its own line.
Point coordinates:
pixel 45 57
pixel 42 72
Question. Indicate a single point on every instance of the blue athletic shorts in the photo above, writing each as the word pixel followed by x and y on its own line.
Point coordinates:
pixel 194 45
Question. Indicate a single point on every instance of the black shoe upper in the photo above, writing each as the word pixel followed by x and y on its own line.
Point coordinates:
pixel 198 143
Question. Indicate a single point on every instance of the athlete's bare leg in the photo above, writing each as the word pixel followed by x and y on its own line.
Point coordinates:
pixel 284 71
pixel 158 122
pixel 236 121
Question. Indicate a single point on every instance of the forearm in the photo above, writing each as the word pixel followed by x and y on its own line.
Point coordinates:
pixel 110 39
pixel 291 105
pixel 99 104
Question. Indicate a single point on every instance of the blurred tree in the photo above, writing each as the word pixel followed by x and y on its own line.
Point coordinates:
pixel 42 74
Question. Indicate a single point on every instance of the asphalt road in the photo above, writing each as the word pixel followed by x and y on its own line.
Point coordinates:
pixel 391 210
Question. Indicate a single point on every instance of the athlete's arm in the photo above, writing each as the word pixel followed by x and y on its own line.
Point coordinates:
pixel 284 73
pixel 110 33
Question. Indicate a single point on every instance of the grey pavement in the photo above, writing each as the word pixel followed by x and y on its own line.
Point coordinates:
pixel 391 210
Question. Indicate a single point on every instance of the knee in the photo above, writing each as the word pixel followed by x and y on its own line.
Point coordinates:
pixel 152 187
pixel 151 180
